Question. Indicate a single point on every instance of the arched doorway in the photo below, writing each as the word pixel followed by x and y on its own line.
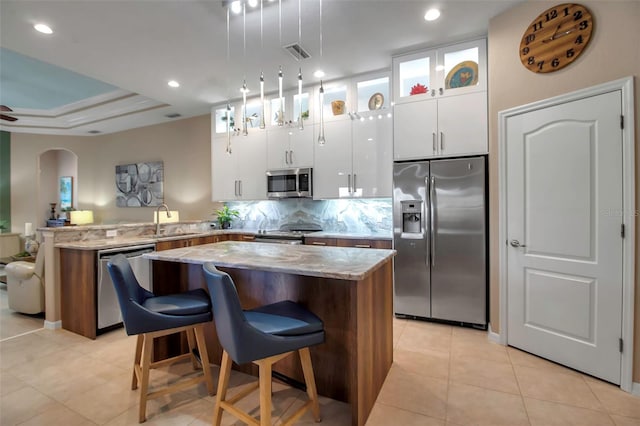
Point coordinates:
pixel 52 165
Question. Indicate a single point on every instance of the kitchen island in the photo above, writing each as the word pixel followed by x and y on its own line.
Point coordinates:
pixel 350 289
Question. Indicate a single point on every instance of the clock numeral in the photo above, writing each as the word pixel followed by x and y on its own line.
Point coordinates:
pixel 566 11
pixel 530 38
pixel 579 39
pixel 531 60
pixel 552 15
pixel 570 53
pixel 525 50
pixel 577 15
pixel 537 26
pixel 555 62
pixel 540 65
pixel 584 25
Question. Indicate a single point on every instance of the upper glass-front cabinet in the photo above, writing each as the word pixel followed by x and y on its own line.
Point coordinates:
pixel 373 94
pixel 449 70
pixel 221 119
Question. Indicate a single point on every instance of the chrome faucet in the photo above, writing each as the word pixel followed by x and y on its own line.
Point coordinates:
pixel 158 216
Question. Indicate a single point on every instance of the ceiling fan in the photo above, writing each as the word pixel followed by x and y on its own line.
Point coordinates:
pixel 5 108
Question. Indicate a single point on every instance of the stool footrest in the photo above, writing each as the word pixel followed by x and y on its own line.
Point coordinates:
pixel 176 387
pixel 289 381
pixel 169 361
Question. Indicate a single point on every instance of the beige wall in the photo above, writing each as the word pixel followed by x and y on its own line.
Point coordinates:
pixel 613 53
pixel 184 146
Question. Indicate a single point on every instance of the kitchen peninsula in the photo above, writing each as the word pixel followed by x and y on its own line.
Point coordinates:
pixel 350 289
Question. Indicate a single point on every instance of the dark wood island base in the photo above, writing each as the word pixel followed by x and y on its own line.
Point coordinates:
pixel 353 362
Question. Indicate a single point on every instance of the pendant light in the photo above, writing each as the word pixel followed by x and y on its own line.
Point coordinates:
pixel 281 111
pixel 262 123
pixel 280 119
pixel 321 140
pixel 244 89
pixel 227 113
pixel 300 123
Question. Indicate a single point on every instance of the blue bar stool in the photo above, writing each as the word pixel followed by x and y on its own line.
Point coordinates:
pixel 151 316
pixel 263 336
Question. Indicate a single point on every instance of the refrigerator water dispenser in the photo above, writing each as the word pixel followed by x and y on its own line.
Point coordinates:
pixel 412 217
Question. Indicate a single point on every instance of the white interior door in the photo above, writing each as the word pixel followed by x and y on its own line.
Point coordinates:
pixel 565 213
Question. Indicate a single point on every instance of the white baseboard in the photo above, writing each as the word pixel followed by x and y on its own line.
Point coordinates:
pixel 635 388
pixel 52 325
pixel 494 337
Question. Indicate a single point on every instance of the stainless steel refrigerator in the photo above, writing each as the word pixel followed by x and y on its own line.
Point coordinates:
pixel 439 226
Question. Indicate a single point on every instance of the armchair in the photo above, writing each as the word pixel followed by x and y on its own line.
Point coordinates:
pixel 25 285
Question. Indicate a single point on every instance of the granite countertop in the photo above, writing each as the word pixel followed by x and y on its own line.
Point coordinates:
pixel 106 243
pixel 350 236
pixel 328 262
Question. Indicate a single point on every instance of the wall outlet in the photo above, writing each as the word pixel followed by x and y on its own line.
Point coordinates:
pixel 193 227
pixel 112 233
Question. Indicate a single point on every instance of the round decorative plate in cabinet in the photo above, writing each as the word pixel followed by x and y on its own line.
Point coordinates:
pixel 462 75
pixel 376 101
pixel 556 38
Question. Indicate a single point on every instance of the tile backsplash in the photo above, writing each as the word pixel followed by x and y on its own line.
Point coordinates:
pixel 365 216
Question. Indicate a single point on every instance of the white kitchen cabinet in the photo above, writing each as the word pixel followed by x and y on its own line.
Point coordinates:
pixel 415 128
pixel 290 147
pixel 446 71
pixel 450 118
pixel 355 160
pixel 332 168
pixel 451 126
pixel 241 174
pixel 462 125
pixel 372 137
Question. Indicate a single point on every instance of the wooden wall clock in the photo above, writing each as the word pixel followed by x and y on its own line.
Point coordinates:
pixel 556 38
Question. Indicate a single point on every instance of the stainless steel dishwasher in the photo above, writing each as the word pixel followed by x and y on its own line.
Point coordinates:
pixel 108 308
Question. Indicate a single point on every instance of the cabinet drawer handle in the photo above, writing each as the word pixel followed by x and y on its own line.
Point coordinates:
pixel 247 237
pixel 363 245
pixel 318 243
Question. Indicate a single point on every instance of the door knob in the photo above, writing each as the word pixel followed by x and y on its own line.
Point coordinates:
pixel 516 243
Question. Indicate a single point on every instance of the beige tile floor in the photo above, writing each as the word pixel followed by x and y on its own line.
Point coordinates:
pixel 442 375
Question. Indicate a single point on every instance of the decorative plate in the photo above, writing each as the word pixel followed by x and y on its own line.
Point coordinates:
pixel 376 101
pixel 462 75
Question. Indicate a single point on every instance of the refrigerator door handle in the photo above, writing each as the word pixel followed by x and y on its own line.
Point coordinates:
pixel 432 193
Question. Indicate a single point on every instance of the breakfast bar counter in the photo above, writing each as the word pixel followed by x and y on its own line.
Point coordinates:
pixel 350 289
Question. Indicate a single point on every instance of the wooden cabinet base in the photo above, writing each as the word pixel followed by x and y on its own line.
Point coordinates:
pixel 353 362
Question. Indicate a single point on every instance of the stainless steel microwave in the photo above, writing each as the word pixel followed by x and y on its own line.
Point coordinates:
pixel 290 183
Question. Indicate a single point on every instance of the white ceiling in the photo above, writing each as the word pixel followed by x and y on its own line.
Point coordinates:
pixel 139 45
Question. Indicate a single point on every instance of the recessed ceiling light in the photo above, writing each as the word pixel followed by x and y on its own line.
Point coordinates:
pixel 43 28
pixel 432 15
pixel 173 83
pixel 236 7
pixel 252 3
pixel 318 74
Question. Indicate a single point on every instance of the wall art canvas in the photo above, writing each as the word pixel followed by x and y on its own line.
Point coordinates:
pixel 140 184
pixel 66 192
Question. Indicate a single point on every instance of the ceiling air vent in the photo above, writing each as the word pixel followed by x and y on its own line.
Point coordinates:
pixel 94 132
pixel 297 51
pixel 173 115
